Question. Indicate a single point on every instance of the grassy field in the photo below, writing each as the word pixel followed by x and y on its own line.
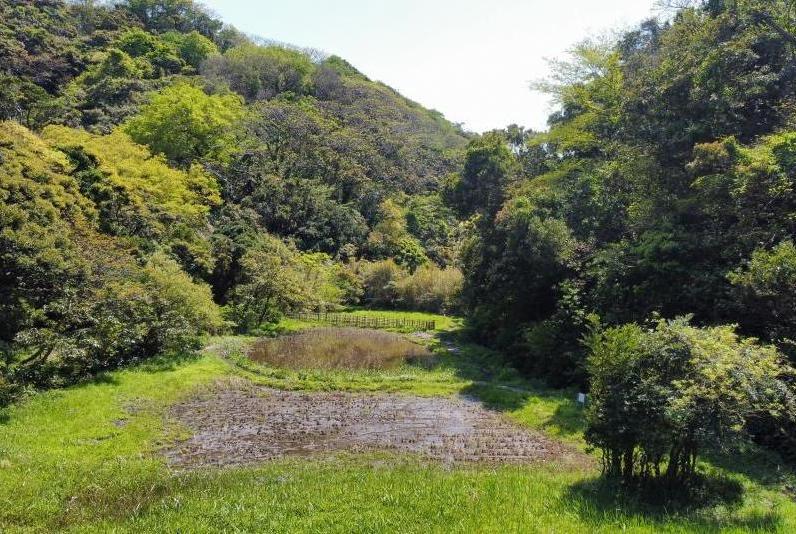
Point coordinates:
pixel 86 459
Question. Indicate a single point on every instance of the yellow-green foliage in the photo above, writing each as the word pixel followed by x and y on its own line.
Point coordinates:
pixel 72 299
pixel 429 288
pixel 186 297
pixel 185 123
pixel 140 195
pixel 36 176
pixel 277 278
pixel 151 185
pixel 40 209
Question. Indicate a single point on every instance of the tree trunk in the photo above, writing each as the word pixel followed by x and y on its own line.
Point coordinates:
pixel 628 467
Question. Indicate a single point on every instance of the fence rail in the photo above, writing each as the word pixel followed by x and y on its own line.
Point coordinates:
pixel 364 321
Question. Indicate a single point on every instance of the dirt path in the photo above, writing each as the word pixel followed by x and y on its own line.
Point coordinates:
pixel 241 423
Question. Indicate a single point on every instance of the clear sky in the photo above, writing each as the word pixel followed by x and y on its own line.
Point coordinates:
pixel 470 59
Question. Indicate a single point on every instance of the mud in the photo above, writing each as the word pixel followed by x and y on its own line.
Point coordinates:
pixel 241 424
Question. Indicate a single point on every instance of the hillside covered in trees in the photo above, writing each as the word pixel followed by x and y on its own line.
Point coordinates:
pixel 165 175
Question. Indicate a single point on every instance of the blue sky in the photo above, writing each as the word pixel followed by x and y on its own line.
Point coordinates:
pixel 470 59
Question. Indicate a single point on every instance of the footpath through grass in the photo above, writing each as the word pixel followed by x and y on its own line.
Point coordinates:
pixel 86 459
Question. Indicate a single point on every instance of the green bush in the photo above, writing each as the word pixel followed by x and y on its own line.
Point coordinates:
pixel 380 281
pixel 663 395
pixel 767 288
pixel 275 279
pixel 429 288
pixel 75 301
pixel 553 348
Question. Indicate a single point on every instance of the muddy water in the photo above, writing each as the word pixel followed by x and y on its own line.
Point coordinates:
pixel 242 423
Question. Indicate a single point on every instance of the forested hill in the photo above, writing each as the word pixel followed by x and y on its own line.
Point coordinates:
pixel 86 66
pixel 158 165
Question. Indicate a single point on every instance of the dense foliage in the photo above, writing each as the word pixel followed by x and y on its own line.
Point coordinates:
pixel 75 299
pixel 664 185
pixel 163 176
pixel 662 396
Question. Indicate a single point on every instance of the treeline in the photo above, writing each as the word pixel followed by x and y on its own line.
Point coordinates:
pixel 663 188
pixel 163 176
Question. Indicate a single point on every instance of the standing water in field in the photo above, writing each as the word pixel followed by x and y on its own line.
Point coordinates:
pixel 338 348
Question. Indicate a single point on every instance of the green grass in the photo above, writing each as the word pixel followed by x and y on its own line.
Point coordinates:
pixel 85 459
pixel 443 323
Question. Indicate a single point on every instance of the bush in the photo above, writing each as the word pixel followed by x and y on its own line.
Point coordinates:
pixel 132 313
pixel 380 281
pixel 661 396
pixel 74 301
pixel 767 289
pixel 431 289
pixel 275 279
pixel 553 348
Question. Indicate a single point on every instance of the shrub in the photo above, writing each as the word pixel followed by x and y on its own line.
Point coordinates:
pixel 185 124
pixel 125 313
pixel 553 348
pixel 431 289
pixel 661 396
pixel 767 287
pixel 74 301
pixel 275 279
pixel 380 280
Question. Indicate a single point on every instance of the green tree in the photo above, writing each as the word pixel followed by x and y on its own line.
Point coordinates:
pixel 660 397
pixel 185 124
pixel 488 170
pixel 261 72
pixel 139 195
pixel 767 284
pixel 194 48
pixel 276 279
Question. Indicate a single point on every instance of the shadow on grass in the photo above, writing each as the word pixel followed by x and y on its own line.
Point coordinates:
pixel 105 378
pixel 169 362
pixel 762 466
pixel 501 388
pixel 709 504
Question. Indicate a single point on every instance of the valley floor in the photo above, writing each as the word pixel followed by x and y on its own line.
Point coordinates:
pixel 125 453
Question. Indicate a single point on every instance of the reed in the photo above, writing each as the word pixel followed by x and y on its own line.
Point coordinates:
pixel 338 348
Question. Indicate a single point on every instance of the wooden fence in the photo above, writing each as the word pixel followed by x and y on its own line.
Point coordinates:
pixel 365 321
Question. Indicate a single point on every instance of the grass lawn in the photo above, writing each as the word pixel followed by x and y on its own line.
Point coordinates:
pixel 86 459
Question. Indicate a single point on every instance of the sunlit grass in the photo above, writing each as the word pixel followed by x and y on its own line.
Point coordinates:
pixel 442 323
pixel 86 459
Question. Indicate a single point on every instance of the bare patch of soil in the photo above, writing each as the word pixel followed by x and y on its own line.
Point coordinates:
pixel 242 423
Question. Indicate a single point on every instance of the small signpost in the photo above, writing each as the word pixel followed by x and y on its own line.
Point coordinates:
pixel 581 399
